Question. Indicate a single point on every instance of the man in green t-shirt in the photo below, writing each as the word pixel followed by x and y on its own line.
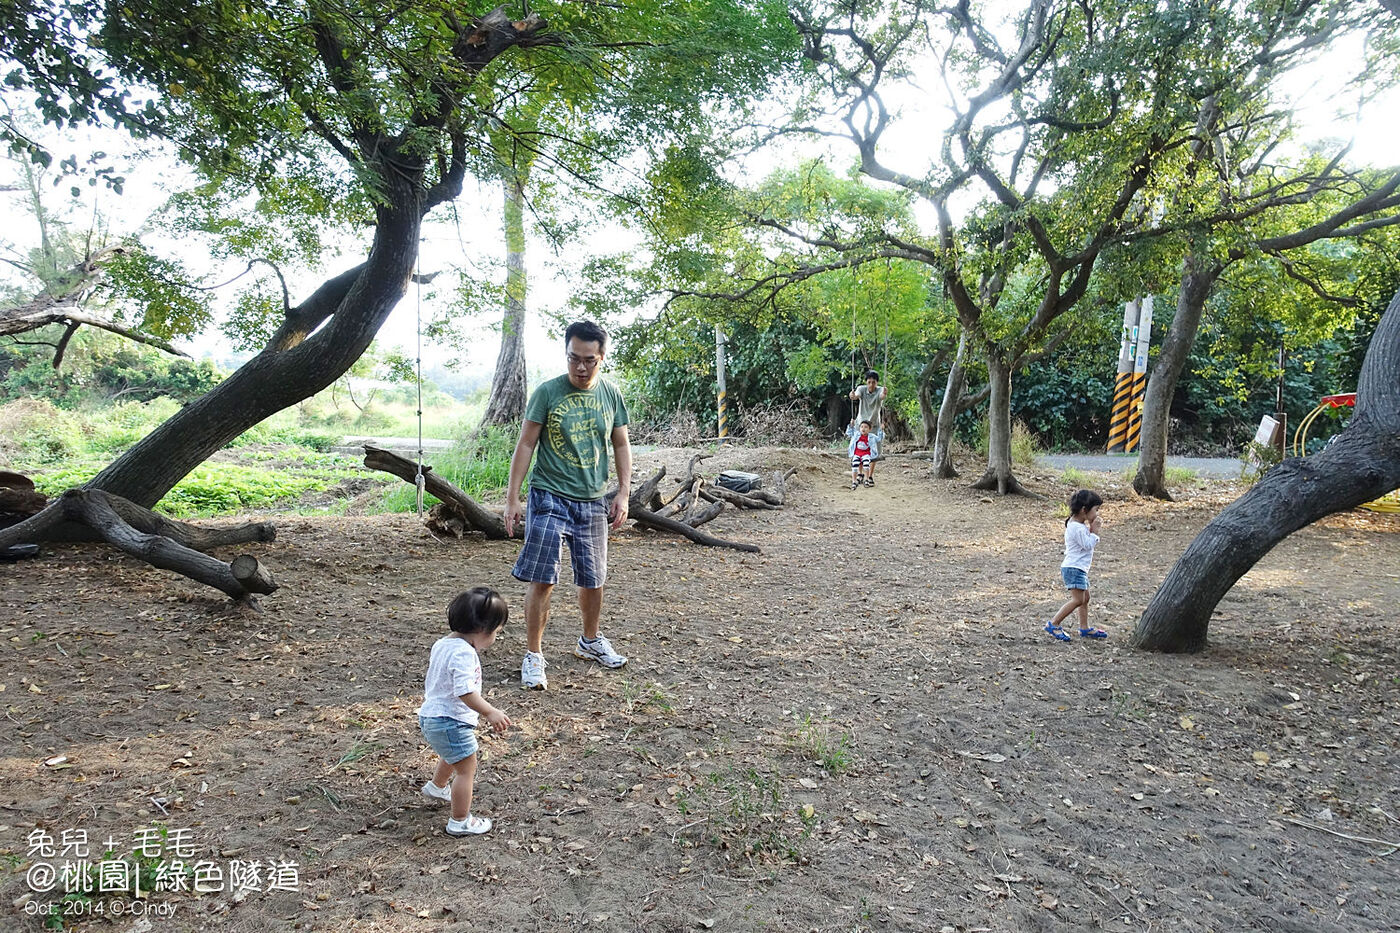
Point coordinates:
pixel 570 421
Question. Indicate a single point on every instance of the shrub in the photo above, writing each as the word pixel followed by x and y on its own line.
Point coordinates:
pixel 37 431
pixel 1024 446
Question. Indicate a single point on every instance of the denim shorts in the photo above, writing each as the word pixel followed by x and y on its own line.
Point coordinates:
pixel 551 519
pixel 451 738
pixel 1075 579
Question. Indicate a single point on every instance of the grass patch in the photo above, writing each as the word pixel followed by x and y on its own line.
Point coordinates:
pixel 741 814
pixel 1181 476
pixel 214 488
pixel 1074 477
pixel 646 697
pixel 817 742
pixel 479 466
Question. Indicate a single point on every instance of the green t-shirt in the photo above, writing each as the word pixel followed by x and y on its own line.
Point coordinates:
pixel 571 458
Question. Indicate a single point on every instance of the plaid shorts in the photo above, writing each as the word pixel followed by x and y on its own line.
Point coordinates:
pixel 551 518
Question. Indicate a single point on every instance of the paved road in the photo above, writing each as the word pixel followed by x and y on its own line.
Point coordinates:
pixel 1219 467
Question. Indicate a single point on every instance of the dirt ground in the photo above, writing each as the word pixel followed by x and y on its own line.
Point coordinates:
pixel 862 728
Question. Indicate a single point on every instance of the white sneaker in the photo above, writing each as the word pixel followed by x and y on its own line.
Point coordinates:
pixel 471 826
pixel 437 793
pixel 532 672
pixel 600 650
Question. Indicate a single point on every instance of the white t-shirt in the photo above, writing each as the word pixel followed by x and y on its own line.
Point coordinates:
pixel 1079 545
pixel 453 670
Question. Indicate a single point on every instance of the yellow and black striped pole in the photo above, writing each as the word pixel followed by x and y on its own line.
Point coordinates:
pixel 721 394
pixel 1123 382
pixel 1144 341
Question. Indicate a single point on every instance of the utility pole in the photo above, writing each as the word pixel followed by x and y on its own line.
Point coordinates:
pixel 722 399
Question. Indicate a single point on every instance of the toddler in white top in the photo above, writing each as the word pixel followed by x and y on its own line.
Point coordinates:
pixel 453 705
pixel 1081 537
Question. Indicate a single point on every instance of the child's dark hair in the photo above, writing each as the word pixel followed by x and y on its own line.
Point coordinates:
pixel 1081 500
pixel 865 423
pixel 479 609
pixel 872 374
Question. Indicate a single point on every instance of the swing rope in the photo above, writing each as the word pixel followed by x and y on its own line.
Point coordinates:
pixel 419 479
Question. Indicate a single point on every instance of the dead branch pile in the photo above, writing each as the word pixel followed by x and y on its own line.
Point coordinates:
pixel 694 501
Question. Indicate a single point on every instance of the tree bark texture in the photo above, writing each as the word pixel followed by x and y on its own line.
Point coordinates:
pixel 288 371
pixel 506 404
pixel 998 476
pixel 947 412
pixel 1197 279
pixel 1361 464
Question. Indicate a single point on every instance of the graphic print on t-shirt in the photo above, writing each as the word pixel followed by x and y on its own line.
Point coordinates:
pixel 572 430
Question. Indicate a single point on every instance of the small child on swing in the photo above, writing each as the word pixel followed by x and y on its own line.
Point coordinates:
pixel 862 455
pixel 1081 537
pixel 453 705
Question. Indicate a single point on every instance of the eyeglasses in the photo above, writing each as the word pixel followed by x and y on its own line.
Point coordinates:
pixel 587 362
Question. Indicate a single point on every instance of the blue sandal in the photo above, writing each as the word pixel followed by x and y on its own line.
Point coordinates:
pixel 1055 630
pixel 1092 633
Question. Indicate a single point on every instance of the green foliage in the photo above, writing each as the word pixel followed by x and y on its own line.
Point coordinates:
pixel 97 367
pixel 1258 459
pixel 217 488
pixel 157 293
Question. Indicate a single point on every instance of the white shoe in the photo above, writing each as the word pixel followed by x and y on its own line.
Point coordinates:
pixel 600 650
pixel 471 826
pixel 532 675
pixel 437 793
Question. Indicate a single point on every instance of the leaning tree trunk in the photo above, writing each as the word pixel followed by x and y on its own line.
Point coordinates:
pixel 947 412
pixel 507 402
pixel 999 476
pixel 298 362
pixel 1362 463
pixel 927 416
pixel 1197 279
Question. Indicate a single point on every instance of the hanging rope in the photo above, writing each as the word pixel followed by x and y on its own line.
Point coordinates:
pixel 419 480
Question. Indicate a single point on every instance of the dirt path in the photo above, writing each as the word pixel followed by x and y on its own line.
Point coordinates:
pixel 863 728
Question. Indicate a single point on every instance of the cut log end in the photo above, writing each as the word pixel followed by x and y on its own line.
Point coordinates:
pixel 253 575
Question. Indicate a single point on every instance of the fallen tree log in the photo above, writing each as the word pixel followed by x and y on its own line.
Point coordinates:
pixel 53 523
pixel 742 500
pixel 18 498
pixel 648 519
pixel 459 507
pixel 103 513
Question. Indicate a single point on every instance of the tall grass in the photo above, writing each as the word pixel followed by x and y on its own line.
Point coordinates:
pixel 479 465
pixel 1024 445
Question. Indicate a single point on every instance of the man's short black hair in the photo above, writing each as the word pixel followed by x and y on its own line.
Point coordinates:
pixel 587 332
pixel 872 374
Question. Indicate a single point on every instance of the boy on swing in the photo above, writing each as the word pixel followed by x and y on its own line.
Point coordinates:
pixel 870 400
pixel 862 444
